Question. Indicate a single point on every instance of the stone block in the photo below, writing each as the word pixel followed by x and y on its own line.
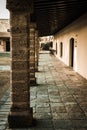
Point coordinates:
pixel 19 54
pixel 22 97
pixel 20 76
pixel 19 65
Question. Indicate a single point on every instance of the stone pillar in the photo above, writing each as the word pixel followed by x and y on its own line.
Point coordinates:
pixel 21 115
pixel 32 54
pixel 36 50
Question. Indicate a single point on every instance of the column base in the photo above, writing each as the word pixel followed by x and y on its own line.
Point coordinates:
pixel 33 82
pixel 20 119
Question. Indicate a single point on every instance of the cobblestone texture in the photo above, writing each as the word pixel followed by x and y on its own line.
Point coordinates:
pixel 59 100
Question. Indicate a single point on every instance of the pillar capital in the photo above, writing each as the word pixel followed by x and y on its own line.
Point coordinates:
pixel 17 5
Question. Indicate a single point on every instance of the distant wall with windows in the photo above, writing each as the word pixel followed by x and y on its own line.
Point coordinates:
pixel 4 35
pixel 71 45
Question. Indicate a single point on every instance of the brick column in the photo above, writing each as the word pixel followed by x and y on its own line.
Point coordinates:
pixel 21 115
pixel 36 50
pixel 32 54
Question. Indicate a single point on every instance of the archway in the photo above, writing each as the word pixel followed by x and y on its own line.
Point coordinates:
pixel 61 49
pixel 56 47
pixel 71 53
pixel 8 45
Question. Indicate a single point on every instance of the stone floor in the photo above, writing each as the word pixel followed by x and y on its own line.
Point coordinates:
pixel 4 72
pixel 59 99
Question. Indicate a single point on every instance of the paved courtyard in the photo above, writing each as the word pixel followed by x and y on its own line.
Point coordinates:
pixel 59 99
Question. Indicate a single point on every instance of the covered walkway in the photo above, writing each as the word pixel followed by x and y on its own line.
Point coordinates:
pixel 59 100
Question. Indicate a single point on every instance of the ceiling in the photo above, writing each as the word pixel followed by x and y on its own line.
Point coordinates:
pixel 53 15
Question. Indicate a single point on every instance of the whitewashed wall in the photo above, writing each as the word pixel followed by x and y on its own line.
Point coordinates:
pixel 78 31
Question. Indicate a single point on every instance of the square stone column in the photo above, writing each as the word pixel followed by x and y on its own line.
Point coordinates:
pixel 36 50
pixel 21 115
pixel 32 54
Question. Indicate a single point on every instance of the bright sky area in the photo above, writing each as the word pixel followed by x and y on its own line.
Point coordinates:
pixel 4 13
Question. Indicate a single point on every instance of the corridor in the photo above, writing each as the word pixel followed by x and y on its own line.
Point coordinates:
pixel 59 99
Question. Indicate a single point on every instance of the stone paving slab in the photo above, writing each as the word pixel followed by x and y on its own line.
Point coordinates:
pixel 59 99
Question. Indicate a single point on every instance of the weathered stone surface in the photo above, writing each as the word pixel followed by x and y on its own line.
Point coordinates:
pixel 19 42
pixel 19 65
pixel 36 50
pixel 45 115
pixel 20 76
pixel 20 98
pixel 32 53
pixel 19 86
pixel 32 64
pixel 64 114
pixel 20 54
pixel 20 119
pixel 63 124
pixel 20 6
pixel 21 115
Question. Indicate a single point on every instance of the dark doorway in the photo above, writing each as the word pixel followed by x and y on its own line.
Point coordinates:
pixel 51 44
pixel 71 59
pixel 8 45
pixel 61 49
pixel 56 47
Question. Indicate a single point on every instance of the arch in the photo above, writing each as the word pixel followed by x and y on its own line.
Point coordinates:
pixel 71 53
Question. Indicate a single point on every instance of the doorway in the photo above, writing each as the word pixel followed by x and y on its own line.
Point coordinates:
pixel 61 49
pixel 8 45
pixel 56 47
pixel 71 54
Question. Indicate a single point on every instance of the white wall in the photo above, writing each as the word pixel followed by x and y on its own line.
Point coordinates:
pixel 78 31
pixel 4 25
